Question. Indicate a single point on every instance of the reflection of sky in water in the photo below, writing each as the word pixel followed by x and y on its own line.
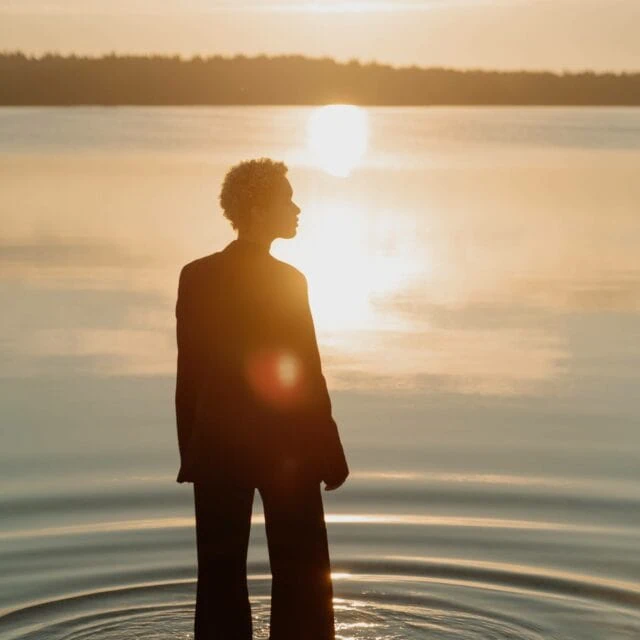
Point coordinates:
pixel 507 267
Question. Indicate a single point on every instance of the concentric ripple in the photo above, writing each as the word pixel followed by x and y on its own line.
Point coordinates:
pixel 388 599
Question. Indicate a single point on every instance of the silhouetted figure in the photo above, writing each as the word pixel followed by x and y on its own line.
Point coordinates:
pixel 253 411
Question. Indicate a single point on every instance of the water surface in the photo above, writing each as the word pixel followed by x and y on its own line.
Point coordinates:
pixel 474 278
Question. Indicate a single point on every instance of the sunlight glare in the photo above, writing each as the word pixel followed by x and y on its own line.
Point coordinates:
pixel 338 136
pixel 371 255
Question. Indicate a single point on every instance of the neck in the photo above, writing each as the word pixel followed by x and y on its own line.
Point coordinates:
pixel 260 241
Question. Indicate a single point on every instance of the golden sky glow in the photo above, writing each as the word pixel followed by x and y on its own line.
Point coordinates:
pixel 563 34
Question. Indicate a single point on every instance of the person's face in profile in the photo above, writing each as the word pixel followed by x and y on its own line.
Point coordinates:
pixel 282 215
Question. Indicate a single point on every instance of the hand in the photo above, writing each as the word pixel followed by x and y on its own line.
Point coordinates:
pixel 334 483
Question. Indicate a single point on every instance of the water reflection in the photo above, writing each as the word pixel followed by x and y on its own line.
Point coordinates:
pixel 353 257
pixel 475 277
pixel 382 519
pixel 468 516
pixel 338 136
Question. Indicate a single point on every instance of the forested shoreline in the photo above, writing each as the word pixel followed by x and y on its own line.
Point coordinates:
pixel 291 80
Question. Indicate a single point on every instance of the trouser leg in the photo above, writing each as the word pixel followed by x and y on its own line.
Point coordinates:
pixel 301 588
pixel 223 523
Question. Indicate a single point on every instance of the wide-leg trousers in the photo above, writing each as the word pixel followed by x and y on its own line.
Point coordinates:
pixel 301 586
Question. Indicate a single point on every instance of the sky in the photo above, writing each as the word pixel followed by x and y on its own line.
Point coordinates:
pixel 501 34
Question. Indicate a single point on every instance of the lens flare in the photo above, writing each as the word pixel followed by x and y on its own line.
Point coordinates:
pixel 276 377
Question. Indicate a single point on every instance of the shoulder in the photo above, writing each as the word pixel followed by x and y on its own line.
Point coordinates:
pixel 292 273
pixel 197 267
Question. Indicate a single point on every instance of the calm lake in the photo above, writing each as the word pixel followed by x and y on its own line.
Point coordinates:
pixel 474 276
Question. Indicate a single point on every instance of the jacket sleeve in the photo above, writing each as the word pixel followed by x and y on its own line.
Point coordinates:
pixel 187 362
pixel 333 462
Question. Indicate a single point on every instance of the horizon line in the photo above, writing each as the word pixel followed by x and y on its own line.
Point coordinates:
pixel 354 62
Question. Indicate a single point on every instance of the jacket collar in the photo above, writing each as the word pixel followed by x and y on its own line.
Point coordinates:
pixel 247 247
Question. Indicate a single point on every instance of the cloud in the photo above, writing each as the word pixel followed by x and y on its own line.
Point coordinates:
pixel 619 292
pixel 45 251
pixel 66 329
pixel 491 361
pixel 520 301
pixel 170 7
pixel 91 351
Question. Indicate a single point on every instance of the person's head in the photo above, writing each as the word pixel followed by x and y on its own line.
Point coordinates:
pixel 256 198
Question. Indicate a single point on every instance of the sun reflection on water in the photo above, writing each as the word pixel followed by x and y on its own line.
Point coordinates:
pixel 353 258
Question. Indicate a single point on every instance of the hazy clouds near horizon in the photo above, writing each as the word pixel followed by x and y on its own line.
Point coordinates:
pixel 524 34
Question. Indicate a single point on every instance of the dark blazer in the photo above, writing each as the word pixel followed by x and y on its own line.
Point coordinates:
pixel 250 393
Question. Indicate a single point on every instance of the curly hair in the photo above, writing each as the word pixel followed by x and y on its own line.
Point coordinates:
pixel 249 183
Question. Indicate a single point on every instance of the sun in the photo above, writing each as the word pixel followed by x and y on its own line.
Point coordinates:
pixel 337 138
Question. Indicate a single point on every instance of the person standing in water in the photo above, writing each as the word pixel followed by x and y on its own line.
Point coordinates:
pixel 253 412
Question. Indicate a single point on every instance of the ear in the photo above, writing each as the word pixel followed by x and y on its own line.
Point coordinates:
pixel 253 217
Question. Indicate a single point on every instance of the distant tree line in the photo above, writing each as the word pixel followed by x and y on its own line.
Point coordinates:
pixel 291 80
